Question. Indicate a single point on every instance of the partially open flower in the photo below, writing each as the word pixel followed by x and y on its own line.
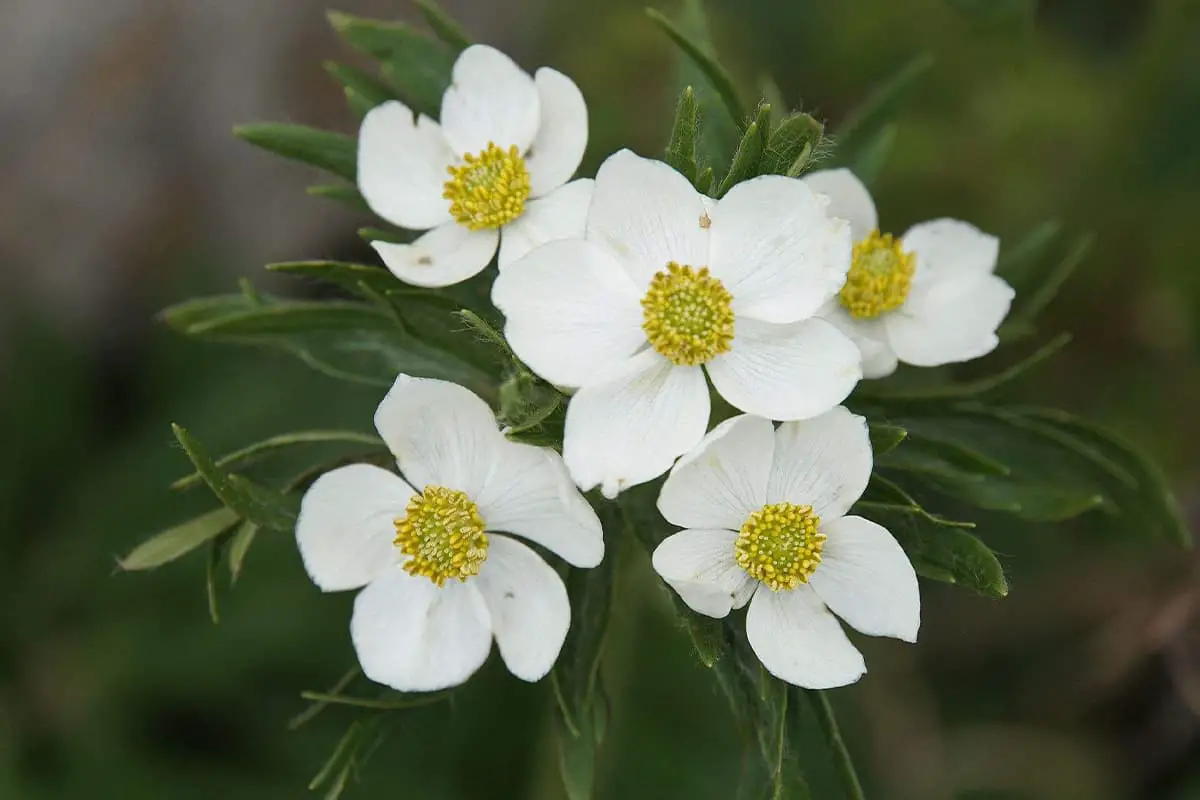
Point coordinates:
pixel 667 286
pixel 440 582
pixel 493 171
pixel 927 299
pixel 765 513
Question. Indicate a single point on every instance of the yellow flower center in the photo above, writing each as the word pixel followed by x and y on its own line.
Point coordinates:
pixel 687 315
pixel 780 545
pixel 443 532
pixel 880 277
pixel 489 189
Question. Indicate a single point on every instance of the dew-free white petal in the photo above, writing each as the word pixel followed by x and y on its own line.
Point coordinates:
pixel 699 565
pixel 562 135
pixel 531 495
pixel 776 251
pixel 948 321
pixel 414 636
pixel 559 215
pixel 345 528
pixel 799 641
pixel 441 434
pixel 402 166
pixel 722 480
pixel 571 312
pixel 490 99
pixel 949 248
pixel 632 423
pixel 448 254
pixel 823 462
pixel 528 606
pixel 792 371
pixel 848 199
pixel 647 214
pixel 867 580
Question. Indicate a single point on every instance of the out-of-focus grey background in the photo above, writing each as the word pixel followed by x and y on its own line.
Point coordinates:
pixel 123 191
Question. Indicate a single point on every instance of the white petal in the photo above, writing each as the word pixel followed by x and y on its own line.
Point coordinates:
pixel 559 215
pixel 946 321
pixel 402 166
pixel 448 254
pixel 562 135
pixel 776 251
pixel 824 463
pixel 490 99
pixel 948 248
pixel 415 637
pixel 531 495
pixel 632 423
pixel 799 641
pixel 792 371
pixel 528 606
pixel 699 566
pixel 647 214
pixel 345 528
pixel 848 199
pixel 441 434
pixel 869 335
pixel 866 579
pixel 571 312
pixel 724 479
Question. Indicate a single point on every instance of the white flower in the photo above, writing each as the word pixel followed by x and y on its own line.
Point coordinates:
pixel 670 284
pixel 765 513
pixel 439 583
pixel 504 139
pixel 930 298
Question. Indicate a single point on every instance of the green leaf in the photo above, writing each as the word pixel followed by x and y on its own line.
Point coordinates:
pixel 791 146
pixel 294 317
pixel 885 436
pixel 178 541
pixel 869 159
pixel 939 456
pixel 716 74
pixel 316 707
pixel 871 115
pixel 215 548
pixel 370 89
pixel 681 150
pixel 1152 499
pixel 333 152
pixel 838 750
pixel 246 499
pixel 389 701
pixel 342 274
pixel 252 453
pixel 239 546
pixel 1018 261
pixel 708 637
pixel 749 152
pixel 941 553
pixel 527 403
pixel 345 195
pixel 381 235
pixel 417 66
pixel 444 26
pixel 704 180
pixel 1025 312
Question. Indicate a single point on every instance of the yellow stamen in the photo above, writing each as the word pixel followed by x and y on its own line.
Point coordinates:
pixel 880 277
pixel 687 315
pixel 444 535
pixel 489 189
pixel 780 545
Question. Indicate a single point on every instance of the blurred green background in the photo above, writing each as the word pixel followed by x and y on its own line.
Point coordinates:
pixel 125 194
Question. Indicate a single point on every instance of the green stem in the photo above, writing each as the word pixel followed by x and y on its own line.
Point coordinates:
pixel 837 746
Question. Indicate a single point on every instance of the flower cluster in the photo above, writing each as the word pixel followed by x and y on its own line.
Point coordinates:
pixel 638 296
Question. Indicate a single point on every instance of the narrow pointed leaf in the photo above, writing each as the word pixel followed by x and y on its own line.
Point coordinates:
pixel 348 196
pixel 335 153
pixel 252 453
pixel 1026 310
pixel 881 103
pixel 745 159
pixel 340 273
pixel 372 90
pixel 239 547
pixel 716 74
pixel 443 25
pixel 791 145
pixel 885 436
pixel 178 541
pixel 704 180
pixel 681 150
pixel 869 160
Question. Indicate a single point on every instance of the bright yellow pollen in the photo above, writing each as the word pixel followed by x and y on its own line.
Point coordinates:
pixel 489 189
pixel 880 276
pixel 687 315
pixel 780 545
pixel 443 532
